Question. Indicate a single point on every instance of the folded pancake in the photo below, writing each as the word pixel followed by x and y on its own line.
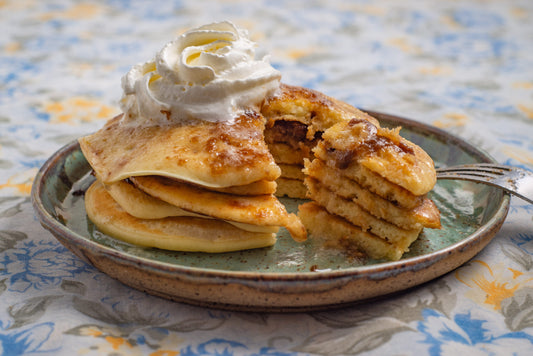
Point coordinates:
pixel 210 154
pixel 261 210
pixel 371 185
pixel 141 205
pixel 169 233
pixel 358 216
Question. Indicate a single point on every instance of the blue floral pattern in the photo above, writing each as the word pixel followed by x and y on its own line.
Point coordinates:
pixel 463 66
pixel 39 265
pixel 466 334
pixel 22 342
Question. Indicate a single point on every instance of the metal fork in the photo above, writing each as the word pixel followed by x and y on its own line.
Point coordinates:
pixel 515 180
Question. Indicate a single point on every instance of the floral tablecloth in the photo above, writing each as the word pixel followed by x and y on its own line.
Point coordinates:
pixel 464 66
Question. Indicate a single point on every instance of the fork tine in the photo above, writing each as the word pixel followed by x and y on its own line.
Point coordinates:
pixel 481 170
pixel 515 180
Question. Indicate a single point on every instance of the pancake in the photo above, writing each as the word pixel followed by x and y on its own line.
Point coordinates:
pixel 227 174
pixel 425 214
pixel 358 216
pixel 296 120
pixel 365 178
pixel 211 154
pixel 382 151
pixel 292 171
pixel 261 187
pixel 263 210
pixel 338 233
pixel 285 154
pixel 171 233
pixel 141 205
pixel 317 111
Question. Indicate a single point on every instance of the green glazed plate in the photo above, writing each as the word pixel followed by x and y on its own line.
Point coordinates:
pixel 290 276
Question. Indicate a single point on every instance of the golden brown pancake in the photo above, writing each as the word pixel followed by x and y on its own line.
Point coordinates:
pixel 424 214
pixel 292 171
pixel 293 188
pixel 358 216
pixel 211 154
pixel 367 179
pixel 171 233
pixel 141 205
pixel 374 181
pixel 318 112
pixel 296 119
pixel 264 210
pixel 340 234
pixel 382 151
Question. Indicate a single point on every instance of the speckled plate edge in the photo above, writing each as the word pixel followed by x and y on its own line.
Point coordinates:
pixel 277 292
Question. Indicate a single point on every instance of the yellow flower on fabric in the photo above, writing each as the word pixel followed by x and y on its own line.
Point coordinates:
pixel 77 109
pixel 404 45
pixel 520 155
pixel 78 11
pixel 165 353
pixel 21 183
pixel 528 110
pixel 436 70
pixel 451 120
pixel 490 285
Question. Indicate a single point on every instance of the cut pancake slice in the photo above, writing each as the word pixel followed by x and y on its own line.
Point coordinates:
pixel 264 210
pixel 292 171
pixel 366 178
pixel 425 214
pixel 340 234
pixel 285 154
pixel 375 182
pixel 171 233
pixel 381 151
pixel 316 111
pixel 358 216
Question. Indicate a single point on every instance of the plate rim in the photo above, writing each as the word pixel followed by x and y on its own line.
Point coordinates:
pixel 389 268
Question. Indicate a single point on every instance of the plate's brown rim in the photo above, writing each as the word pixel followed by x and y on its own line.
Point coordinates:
pixel 375 271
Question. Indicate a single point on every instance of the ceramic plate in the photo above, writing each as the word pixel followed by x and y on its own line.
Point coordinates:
pixel 289 276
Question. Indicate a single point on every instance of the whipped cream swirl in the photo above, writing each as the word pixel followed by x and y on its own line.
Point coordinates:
pixel 208 73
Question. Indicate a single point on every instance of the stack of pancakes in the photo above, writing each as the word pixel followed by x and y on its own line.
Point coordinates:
pixel 369 189
pixel 296 119
pixel 193 186
pixel 212 186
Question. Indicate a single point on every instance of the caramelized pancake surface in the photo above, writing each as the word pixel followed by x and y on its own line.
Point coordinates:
pixel 212 154
pixel 312 108
pixel 384 152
